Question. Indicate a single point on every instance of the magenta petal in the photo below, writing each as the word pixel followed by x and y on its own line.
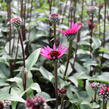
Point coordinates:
pixel 60 47
pixel 72 25
pixel 62 31
pixel 54 46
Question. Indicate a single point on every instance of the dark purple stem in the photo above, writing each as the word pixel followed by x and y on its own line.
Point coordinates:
pixel 56 83
pixel 104 35
pixel 104 103
pixel 62 102
pixel 91 34
pixel 68 57
pixel 82 10
pixel 24 79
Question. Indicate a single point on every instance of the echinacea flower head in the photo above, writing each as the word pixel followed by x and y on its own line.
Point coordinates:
pixel 100 6
pixel 104 92
pixel 91 10
pixel 53 53
pixel 7 103
pixel 72 8
pixel 62 91
pixel 54 18
pixel 37 102
pixel 72 31
pixel 94 85
pixel 29 103
pixel 16 21
pixel 91 25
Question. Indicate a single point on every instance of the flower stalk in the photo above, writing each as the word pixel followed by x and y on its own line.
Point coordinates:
pixel 55 70
pixel 62 93
pixel 70 33
pixel 54 32
pixel 17 23
pixel 75 4
pixel 99 22
pixel 91 34
pixel 82 10
pixel 68 57
pixel 104 35
pixel 62 102
pixel 21 41
pixel 75 58
pixel 24 78
pixel 92 11
pixel 56 83
pixel 104 103
pixel 64 12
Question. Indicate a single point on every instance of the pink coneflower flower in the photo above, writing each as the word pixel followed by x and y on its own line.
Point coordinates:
pixel 72 8
pixel 7 103
pixel 29 103
pixel 53 53
pixel 62 91
pixel 100 6
pixel 72 31
pixel 15 21
pixel 104 91
pixel 91 26
pixel 94 85
pixel 91 9
pixel 54 18
pixel 37 102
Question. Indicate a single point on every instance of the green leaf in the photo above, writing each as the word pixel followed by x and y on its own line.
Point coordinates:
pixel 105 50
pixel 79 68
pixel 95 106
pixel 73 80
pixel 89 90
pixel 17 80
pixel 69 94
pixel 4 96
pixel 46 74
pixel 44 94
pixel 32 59
pixel 85 105
pixel 103 78
pixel 15 97
pixel 96 43
pixel 4 71
pixel 14 104
pixel 36 87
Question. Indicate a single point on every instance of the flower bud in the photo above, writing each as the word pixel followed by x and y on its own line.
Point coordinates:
pixel 16 21
pixel 54 18
pixel 91 10
pixel 100 6
pixel 72 8
pixel 62 91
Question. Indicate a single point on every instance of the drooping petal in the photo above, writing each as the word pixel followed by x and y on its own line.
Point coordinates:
pixel 60 47
pixel 72 24
pixel 54 46
pixel 62 31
